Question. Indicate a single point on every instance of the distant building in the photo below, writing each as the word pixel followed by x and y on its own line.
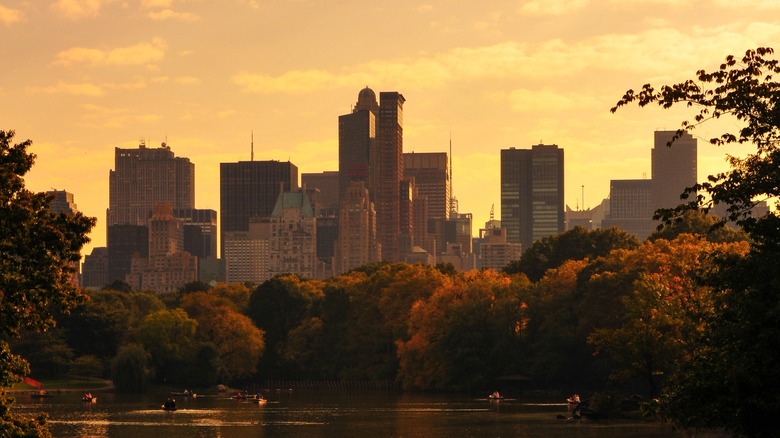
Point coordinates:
pixel 62 202
pixel 631 207
pixel 532 193
pixel 495 251
pixel 673 168
pixel 146 177
pixel 200 240
pixel 247 253
pixel 293 245
pixel 388 172
pixel 124 242
pixel 94 270
pixel 327 202
pixel 167 267
pixel 357 142
pixel 357 243
pixel 431 177
pixel 249 189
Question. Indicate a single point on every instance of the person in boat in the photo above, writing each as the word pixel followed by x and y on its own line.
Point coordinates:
pixel 170 404
pixel 495 395
pixel 88 397
pixel 575 399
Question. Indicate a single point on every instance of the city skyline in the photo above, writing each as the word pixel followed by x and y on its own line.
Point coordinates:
pixel 205 77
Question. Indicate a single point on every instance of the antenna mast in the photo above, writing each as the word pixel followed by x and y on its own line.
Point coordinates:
pixel 252 146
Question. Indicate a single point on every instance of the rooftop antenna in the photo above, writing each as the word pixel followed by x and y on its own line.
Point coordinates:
pixel 491 211
pixel 252 146
pixel 583 196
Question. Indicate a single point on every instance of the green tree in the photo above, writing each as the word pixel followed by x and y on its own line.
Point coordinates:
pixel 699 223
pixel 575 244
pixel 39 253
pixel 169 337
pixel 732 381
pixel 131 369
pixel 88 366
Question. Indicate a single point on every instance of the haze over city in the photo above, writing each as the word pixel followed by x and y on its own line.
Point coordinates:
pixel 82 77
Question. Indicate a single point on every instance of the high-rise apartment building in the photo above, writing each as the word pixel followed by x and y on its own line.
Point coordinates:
pixel 146 177
pixel 249 189
pixel 673 168
pixel 357 141
pixel 431 176
pixel 246 253
pixel 532 204
pixel 631 207
pixel 357 244
pixel 389 172
pixel 327 184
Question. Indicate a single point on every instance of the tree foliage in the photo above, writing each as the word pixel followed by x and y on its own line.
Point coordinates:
pixel 39 253
pixel 575 244
pixel 732 380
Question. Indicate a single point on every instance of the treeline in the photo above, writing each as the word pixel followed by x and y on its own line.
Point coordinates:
pixel 583 310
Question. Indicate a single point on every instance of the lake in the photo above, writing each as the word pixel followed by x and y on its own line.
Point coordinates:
pixel 323 414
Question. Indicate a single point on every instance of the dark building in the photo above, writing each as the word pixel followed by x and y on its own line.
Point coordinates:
pixel 673 168
pixel 125 241
pixel 388 172
pixel 532 204
pixel 327 234
pixel 357 141
pixel 200 231
pixel 432 179
pixel 250 189
pixel 62 202
pixel 94 270
pixel 327 197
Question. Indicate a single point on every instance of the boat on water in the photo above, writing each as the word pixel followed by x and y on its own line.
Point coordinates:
pixel 495 396
pixel 40 394
pixel 89 398
pixel 185 393
pixel 169 405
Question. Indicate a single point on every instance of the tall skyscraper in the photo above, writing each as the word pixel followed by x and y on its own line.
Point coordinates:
pixel 293 244
pixel 673 168
pixel 389 171
pixel 357 141
pixel 431 176
pixel 532 193
pixel 249 189
pixel 146 177
pixel 631 207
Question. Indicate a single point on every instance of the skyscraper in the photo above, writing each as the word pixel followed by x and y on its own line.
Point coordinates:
pixel 431 176
pixel 249 189
pixel 293 242
pixel 146 177
pixel 389 172
pixel 532 193
pixel 357 243
pixel 673 168
pixel 357 141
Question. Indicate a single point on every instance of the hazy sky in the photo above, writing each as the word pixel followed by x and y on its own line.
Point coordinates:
pixel 80 77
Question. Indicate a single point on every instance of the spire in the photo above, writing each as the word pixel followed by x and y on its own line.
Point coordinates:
pixel 252 146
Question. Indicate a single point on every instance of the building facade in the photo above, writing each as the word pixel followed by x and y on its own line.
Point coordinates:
pixel 673 168
pixel 249 189
pixel 293 245
pixel 357 243
pixel 532 191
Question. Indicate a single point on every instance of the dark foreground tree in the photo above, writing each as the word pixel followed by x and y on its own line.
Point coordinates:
pixel 39 253
pixel 732 380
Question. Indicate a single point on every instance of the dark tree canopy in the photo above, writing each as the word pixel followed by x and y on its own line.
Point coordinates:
pixel 732 380
pixel 575 244
pixel 39 253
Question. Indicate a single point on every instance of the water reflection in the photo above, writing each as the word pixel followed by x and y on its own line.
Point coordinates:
pixel 321 414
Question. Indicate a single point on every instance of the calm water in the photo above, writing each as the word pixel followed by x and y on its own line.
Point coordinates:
pixel 321 414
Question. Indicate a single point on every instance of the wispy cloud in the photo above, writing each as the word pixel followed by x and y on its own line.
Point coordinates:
pixel 139 54
pixel 77 9
pixel 10 16
pixel 169 14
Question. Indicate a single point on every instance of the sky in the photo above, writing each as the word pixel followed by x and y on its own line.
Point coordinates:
pixel 81 77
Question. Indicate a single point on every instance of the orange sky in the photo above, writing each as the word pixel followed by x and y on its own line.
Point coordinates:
pixel 81 77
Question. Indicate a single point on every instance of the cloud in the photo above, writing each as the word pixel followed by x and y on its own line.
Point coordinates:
pixel 139 54
pixel 655 54
pixel 551 7
pixel 156 4
pixel 10 16
pixel 187 80
pixel 76 9
pixel 115 117
pixel 83 89
pixel 548 100
pixel 169 14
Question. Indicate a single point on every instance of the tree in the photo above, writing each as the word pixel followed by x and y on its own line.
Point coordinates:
pixel 169 337
pixel 697 222
pixel 39 253
pixel 575 244
pixel 131 369
pixel 732 380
